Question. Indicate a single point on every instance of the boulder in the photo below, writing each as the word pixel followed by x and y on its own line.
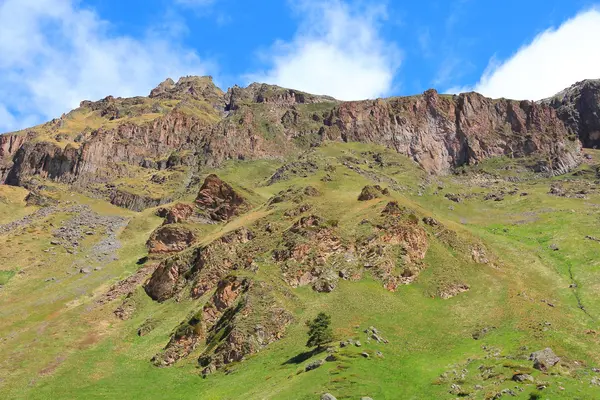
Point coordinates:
pixel 328 396
pixel 544 359
pixel 522 378
pixel 314 365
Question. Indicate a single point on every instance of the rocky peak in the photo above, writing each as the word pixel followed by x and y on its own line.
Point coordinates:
pixel 579 108
pixel 271 94
pixel 195 87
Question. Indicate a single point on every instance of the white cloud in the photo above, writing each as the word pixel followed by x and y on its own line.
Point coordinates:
pixel 337 51
pixel 56 53
pixel 554 60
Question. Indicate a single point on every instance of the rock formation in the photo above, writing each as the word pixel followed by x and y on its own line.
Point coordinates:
pixel 219 200
pixel 579 108
pixel 192 122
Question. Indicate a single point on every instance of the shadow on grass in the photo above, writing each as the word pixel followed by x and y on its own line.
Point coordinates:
pixel 300 358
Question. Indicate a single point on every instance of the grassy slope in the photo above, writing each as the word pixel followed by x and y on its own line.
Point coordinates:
pixel 54 345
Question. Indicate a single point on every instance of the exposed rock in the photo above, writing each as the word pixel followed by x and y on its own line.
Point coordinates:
pixel 128 285
pixel 35 198
pixel 453 197
pixel 392 208
pixel 299 168
pixel 219 200
pixel 311 191
pixel 544 359
pixel 430 221
pixel 328 396
pixel 579 107
pixel 203 267
pixel 522 378
pixel 450 291
pixel 191 332
pixel 178 213
pixel 147 327
pixel 482 332
pixel 170 239
pixel 135 202
pixel 372 192
pixel 314 365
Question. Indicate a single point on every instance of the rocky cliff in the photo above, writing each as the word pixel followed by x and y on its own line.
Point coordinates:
pixel 192 123
pixel 579 107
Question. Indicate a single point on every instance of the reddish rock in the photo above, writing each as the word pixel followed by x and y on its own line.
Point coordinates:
pixel 170 239
pixel 219 200
pixel 203 268
pixel 178 213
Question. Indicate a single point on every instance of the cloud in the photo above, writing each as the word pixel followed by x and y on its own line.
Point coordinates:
pixel 56 53
pixel 337 50
pixel 554 60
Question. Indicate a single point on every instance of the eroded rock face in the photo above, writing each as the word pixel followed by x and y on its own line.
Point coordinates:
pixel 240 319
pixel 204 267
pixel 256 321
pixel 190 333
pixel 440 132
pixel 219 200
pixel 170 239
pixel 579 108
pixel 313 253
pixel 306 249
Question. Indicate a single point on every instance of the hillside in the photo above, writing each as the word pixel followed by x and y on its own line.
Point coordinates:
pixel 173 246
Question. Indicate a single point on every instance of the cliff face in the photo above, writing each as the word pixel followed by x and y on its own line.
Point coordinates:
pixel 579 108
pixel 441 132
pixel 194 117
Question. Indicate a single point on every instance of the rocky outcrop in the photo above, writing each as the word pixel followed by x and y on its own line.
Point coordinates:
pixel 202 267
pixel 270 94
pixel 178 213
pixel 439 132
pixel 9 145
pixel 306 250
pixel 255 321
pixel 312 252
pixel 170 239
pixel 372 192
pixel 135 202
pixel 219 200
pixel 579 108
pixel 189 334
pixel 240 318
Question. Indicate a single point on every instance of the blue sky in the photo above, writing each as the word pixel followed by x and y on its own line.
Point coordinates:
pixel 56 53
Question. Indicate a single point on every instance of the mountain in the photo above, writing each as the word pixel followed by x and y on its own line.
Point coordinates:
pixel 173 246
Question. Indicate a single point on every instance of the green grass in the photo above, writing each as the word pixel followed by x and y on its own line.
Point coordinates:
pixel 60 346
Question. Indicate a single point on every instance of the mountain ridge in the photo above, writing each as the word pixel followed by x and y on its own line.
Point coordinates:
pixel 200 124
